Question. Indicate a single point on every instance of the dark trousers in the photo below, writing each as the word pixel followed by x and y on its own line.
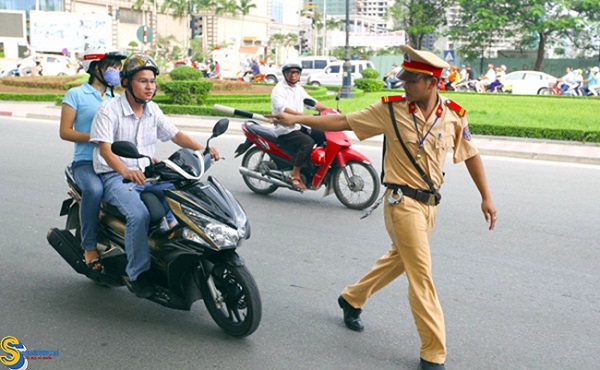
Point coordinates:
pixel 301 141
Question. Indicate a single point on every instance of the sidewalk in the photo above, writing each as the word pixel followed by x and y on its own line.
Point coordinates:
pixel 558 151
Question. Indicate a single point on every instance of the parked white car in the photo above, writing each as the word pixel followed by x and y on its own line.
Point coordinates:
pixel 528 82
pixel 332 75
pixel 310 64
pixel 52 65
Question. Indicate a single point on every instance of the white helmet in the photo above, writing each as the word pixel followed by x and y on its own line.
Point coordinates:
pixel 289 64
pixel 97 53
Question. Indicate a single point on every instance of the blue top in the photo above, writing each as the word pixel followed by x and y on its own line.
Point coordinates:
pixel 85 99
pixel 255 69
pixel 594 80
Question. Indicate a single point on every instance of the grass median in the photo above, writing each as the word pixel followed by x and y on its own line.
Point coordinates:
pixel 530 116
pixel 527 116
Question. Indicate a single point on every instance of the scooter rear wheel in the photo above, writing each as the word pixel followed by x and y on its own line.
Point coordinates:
pixel 232 299
pixel 258 161
pixel 356 185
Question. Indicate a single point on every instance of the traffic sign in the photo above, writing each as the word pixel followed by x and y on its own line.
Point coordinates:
pixel 140 33
pixel 449 56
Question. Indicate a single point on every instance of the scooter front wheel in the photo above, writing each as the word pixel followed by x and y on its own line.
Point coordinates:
pixel 356 185
pixel 258 161
pixel 232 299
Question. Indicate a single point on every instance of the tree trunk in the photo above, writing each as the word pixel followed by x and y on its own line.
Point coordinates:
pixel 540 52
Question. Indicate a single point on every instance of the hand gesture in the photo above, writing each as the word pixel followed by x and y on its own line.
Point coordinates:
pixel 284 119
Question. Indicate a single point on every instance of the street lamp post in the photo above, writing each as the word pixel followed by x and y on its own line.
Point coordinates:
pixel 346 91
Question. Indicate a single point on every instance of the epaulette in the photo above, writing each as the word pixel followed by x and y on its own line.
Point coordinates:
pixel 455 107
pixel 388 99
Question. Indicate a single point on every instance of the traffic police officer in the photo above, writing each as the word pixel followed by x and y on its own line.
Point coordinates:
pixel 427 124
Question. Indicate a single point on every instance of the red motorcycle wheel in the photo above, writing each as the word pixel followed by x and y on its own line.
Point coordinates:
pixel 258 161
pixel 356 185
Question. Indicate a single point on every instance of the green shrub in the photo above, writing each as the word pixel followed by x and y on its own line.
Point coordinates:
pixel 77 82
pixel 31 97
pixel 41 82
pixel 185 73
pixel 187 92
pixel 369 73
pixel 369 84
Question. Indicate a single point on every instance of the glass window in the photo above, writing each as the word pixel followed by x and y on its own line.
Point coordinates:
pixel 533 76
pixel 515 76
pixel 46 5
pixel 320 64
pixel 334 69
pixel 277 11
pixel 307 64
pixel 130 16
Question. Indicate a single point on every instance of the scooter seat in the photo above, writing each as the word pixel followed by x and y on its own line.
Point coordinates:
pixel 263 131
pixel 154 205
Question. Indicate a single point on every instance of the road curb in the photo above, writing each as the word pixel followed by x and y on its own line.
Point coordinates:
pixel 520 148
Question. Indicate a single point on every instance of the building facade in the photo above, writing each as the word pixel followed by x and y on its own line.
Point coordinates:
pixel 233 30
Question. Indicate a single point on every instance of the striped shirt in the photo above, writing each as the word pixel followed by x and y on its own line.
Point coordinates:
pixel 116 121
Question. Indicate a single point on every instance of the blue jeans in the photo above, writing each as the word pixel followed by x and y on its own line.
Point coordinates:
pixel 390 81
pixel 137 218
pixel 89 208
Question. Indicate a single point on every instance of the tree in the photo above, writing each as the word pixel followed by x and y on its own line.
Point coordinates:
pixel 133 45
pixel 479 25
pixel 244 7
pixel 226 7
pixel 419 18
pixel 178 7
pixel 534 24
pixel 290 40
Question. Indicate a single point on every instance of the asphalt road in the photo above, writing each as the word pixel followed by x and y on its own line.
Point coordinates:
pixel 522 297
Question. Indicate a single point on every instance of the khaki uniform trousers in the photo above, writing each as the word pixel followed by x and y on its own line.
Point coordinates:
pixel 409 225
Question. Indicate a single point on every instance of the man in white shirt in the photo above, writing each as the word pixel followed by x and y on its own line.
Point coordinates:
pixel 288 97
pixel 134 117
pixel 486 80
pixel 390 77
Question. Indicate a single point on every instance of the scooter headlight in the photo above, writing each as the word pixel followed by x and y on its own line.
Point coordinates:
pixel 224 236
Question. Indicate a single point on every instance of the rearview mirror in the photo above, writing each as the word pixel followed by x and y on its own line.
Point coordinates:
pixel 310 103
pixel 220 127
pixel 126 149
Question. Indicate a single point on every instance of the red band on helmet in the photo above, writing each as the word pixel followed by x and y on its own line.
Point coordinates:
pixel 418 67
pixel 93 56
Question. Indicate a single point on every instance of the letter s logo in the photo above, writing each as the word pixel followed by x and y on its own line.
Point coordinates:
pixel 12 347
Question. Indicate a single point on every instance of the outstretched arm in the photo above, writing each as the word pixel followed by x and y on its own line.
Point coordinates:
pixel 334 122
pixel 475 167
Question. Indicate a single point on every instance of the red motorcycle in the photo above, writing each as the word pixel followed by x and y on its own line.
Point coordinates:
pixel 266 165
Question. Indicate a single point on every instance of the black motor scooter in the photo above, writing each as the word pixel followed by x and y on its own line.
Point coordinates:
pixel 196 259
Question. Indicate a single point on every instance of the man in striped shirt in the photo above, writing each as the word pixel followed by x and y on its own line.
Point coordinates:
pixel 135 118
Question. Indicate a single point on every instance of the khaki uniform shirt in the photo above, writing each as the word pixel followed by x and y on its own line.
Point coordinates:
pixel 450 131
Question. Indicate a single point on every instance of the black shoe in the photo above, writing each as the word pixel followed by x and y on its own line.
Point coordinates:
pixel 142 287
pixel 351 315
pixel 426 365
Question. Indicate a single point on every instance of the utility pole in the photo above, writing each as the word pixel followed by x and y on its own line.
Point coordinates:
pixel 346 91
pixel 324 27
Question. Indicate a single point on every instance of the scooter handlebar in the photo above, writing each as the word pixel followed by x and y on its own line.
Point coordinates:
pixel 238 112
